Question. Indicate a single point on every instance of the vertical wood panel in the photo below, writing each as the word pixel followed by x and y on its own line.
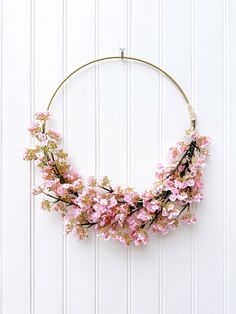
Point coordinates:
pixel 1 152
pixel 226 159
pixel 48 242
pixel 177 59
pixel 112 97
pixel 210 109
pixel 145 145
pixel 230 161
pixel 32 169
pixel 15 173
pixel 80 143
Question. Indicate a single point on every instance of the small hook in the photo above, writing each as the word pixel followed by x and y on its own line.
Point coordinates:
pixel 122 52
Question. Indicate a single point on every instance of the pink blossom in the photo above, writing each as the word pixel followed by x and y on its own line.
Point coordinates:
pixel 183 183
pixel 104 220
pixel 120 218
pixel 167 208
pixel 42 116
pixel 160 171
pixel 152 206
pixel 177 195
pixel 177 150
pixel 189 182
pixel 72 213
pixel 203 141
pixel 45 204
pixel 120 238
pixel 72 176
pixel 172 224
pixel 63 189
pixel 34 128
pixel 94 217
pixel 170 211
pixel 117 190
pixel 140 237
pixel 104 181
pixel 144 215
pixel 172 214
pixel 52 183
pixel 81 233
pixel 179 184
pixel 131 197
pixel 37 189
pixel 161 226
pixel 112 202
pixel 147 196
pixel 30 154
pixel 188 218
pixel 122 214
pixel 103 201
pixel 182 196
pixel 105 234
pixel 92 181
pixel 133 222
pixel 197 197
pixel 77 185
pixel 54 135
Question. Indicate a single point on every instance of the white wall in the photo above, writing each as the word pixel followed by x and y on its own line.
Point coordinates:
pixel 118 120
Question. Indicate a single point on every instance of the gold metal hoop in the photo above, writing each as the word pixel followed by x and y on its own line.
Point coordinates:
pixel 189 106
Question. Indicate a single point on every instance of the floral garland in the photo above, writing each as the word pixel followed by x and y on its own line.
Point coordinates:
pixel 117 213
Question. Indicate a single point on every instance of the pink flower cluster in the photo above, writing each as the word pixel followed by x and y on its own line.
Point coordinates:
pixel 119 213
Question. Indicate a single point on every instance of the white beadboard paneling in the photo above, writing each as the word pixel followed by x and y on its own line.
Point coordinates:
pixel 15 173
pixel 210 109
pixel 80 142
pixel 145 139
pixel 1 164
pixel 112 146
pixel 230 234
pixel 177 246
pixel 117 120
pixel 48 240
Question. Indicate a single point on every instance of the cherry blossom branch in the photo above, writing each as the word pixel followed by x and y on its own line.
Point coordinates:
pixel 58 199
pixel 119 213
pixel 189 153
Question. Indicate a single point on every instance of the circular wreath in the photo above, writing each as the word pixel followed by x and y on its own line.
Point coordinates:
pixel 119 213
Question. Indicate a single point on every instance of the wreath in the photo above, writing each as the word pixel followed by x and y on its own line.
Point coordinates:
pixel 118 213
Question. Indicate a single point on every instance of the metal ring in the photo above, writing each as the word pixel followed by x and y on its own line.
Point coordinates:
pixel 189 107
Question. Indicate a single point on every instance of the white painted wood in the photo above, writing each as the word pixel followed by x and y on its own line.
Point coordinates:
pixel 117 120
pixel 145 142
pixel 230 235
pixel 210 100
pixel 15 173
pixel 80 119
pixel 112 147
pixel 48 239
pixel 178 260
